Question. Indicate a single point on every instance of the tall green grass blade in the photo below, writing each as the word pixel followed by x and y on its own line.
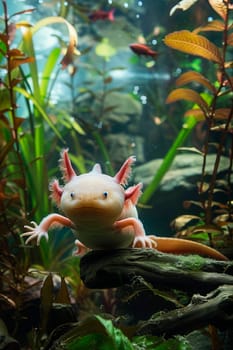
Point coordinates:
pixel 47 72
pixel 28 48
pixel 167 162
pixel 40 109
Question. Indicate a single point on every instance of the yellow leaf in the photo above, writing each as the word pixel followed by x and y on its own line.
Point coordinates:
pixel 213 26
pixel 23 24
pixel 193 44
pixel 187 94
pixel 220 7
pixel 73 36
pixel 192 76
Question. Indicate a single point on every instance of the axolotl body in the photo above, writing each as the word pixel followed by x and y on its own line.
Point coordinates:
pixel 103 213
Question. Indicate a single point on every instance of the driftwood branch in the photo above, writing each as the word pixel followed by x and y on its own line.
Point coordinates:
pixel 193 274
pixel 216 309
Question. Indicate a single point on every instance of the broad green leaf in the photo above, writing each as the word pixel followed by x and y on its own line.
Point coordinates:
pixel 193 44
pixel 98 332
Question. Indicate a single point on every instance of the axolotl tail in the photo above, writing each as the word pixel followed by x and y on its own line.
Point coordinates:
pixel 184 246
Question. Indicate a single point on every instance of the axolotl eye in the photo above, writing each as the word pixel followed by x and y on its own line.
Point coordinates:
pixel 72 195
pixel 105 194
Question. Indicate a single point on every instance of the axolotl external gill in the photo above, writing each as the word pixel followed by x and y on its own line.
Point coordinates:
pixel 103 213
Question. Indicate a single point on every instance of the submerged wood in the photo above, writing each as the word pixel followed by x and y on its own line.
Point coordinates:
pixel 215 309
pixel 108 269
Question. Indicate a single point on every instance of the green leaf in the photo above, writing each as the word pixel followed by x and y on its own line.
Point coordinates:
pixel 98 332
pixel 104 49
pixel 39 108
pixel 48 68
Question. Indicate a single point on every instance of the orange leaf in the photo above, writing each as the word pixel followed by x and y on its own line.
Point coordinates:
pixel 17 61
pixel 220 7
pixel 187 94
pixel 17 58
pixel 222 113
pixel 219 114
pixel 230 39
pixel 213 26
pixel 196 113
pixel 193 44
pixel 18 121
pixel 192 76
pixel 15 53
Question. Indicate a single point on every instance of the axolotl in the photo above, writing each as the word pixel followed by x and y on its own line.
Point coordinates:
pixel 103 212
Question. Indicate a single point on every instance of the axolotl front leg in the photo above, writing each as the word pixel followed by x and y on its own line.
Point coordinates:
pixel 38 231
pixel 140 238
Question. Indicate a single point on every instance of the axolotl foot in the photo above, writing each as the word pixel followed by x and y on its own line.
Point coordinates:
pixel 81 248
pixel 144 242
pixel 34 233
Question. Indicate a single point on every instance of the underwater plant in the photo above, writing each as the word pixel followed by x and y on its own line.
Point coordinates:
pixel 23 150
pixel 40 308
pixel 213 107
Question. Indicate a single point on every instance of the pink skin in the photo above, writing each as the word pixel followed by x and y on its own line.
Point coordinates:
pixel 104 214
pixel 97 207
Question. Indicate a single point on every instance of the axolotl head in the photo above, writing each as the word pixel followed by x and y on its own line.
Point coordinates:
pixel 93 198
